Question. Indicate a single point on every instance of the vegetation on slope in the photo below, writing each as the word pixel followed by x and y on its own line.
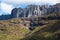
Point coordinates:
pixel 12 30
pixel 51 31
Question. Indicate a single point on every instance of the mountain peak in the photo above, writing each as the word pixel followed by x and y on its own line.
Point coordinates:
pixel 57 5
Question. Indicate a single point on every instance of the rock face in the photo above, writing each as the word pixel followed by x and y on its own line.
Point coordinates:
pixel 35 10
pixel 16 12
pixel 32 10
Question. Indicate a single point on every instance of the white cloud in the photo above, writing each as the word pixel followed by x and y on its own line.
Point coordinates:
pixel 8 5
pixel 30 1
pixel 6 8
pixel 1 12
pixel 14 1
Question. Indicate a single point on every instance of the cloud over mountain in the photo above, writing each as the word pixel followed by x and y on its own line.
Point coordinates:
pixel 6 8
pixel 8 5
pixel 30 1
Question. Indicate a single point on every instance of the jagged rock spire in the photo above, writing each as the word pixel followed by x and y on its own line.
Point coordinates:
pixel 24 13
pixel 30 14
pixel 37 11
pixel 18 12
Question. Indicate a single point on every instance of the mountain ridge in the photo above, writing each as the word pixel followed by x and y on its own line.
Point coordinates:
pixel 32 10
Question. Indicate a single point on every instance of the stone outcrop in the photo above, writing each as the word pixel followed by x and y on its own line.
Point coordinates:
pixel 35 10
pixel 32 10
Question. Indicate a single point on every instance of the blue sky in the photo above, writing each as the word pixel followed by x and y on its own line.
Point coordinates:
pixel 7 5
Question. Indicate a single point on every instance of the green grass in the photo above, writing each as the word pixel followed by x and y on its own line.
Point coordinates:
pixel 47 32
pixel 11 29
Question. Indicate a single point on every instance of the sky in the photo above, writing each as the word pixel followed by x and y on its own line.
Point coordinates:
pixel 6 6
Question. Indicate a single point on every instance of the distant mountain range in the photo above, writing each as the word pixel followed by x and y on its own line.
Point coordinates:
pixel 32 10
pixel 35 10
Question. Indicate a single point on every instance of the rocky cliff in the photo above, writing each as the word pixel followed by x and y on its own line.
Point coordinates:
pixel 32 10
pixel 35 10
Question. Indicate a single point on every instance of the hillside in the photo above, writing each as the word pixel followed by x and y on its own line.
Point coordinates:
pixel 50 31
pixel 12 30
